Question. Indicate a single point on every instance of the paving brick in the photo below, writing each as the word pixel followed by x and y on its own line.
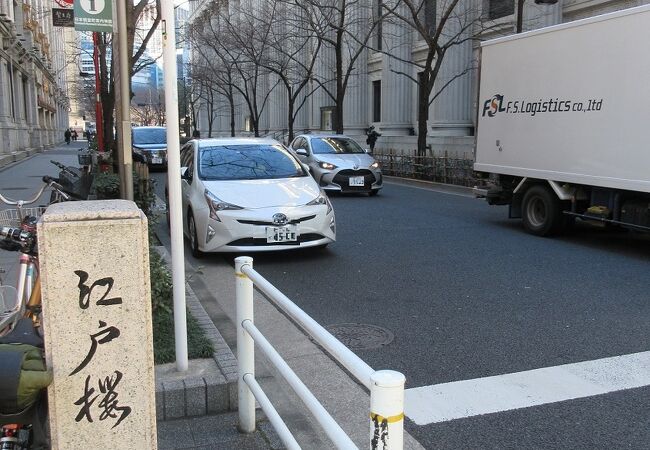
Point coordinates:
pixel 160 403
pixel 195 397
pixel 218 400
pixel 174 399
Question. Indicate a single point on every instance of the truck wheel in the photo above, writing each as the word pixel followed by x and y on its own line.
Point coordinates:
pixel 541 211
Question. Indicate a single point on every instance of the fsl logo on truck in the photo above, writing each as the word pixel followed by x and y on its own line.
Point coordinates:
pixel 497 104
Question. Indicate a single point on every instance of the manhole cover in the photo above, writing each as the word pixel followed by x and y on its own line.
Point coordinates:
pixel 360 336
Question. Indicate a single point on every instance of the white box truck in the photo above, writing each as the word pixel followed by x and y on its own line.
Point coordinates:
pixel 564 122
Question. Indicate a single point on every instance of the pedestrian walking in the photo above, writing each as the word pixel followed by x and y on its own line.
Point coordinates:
pixel 67 134
pixel 372 137
pixel 74 135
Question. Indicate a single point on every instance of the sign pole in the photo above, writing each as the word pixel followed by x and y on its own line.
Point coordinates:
pixel 174 182
pixel 125 102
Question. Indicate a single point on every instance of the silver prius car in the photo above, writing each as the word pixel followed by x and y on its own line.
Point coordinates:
pixel 338 163
pixel 251 194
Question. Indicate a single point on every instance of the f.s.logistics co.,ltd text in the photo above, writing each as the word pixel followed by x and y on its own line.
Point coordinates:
pixel 498 104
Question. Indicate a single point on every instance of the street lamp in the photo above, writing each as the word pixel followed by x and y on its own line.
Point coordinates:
pixel 520 10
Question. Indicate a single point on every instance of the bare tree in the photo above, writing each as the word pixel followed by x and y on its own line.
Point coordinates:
pixel 134 11
pixel 344 27
pixel 212 70
pixel 236 40
pixel 288 52
pixel 440 26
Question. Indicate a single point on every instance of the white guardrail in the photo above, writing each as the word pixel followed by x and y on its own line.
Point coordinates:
pixel 386 386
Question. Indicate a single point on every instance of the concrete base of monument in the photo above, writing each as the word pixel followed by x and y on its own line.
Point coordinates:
pixel 209 386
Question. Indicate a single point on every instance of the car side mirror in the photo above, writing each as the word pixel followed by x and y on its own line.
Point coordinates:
pixel 301 152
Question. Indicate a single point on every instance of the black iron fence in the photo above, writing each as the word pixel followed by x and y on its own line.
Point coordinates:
pixel 440 168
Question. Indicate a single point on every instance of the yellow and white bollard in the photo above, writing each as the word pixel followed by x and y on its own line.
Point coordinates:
pixel 387 410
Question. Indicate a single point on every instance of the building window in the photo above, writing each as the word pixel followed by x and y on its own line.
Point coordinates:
pixel 380 31
pixel 248 124
pixel 12 93
pixel 327 118
pixel 25 98
pixel 500 8
pixel 376 101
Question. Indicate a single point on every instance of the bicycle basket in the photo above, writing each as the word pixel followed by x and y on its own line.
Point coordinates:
pixel 13 216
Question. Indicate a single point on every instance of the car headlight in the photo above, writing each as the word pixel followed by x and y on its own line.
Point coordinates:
pixel 375 165
pixel 326 165
pixel 321 200
pixel 215 204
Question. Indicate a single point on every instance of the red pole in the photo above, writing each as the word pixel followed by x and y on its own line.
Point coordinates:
pixel 98 99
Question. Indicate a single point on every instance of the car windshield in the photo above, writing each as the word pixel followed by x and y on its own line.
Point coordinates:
pixel 149 136
pixel 335 145
pixel 248 162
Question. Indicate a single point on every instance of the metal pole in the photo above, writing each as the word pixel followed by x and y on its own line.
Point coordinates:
pixel 245 345
pixel 99 116
pixel 174 182
pixel 387 410
pixel 125 102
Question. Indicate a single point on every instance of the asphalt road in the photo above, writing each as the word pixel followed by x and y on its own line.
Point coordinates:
pixel 468 294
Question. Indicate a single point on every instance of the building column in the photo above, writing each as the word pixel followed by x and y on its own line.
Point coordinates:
pixel 396 88
pixel 451 113
pixel 355 105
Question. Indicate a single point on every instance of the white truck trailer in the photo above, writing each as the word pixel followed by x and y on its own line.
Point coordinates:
pixel 564 122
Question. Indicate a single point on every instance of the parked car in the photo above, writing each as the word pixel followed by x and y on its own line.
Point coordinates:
pixel 150 145
pixel 338 163
pixel 251 194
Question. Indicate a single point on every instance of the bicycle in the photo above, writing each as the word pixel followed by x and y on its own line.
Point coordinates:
pixel 23 421
pixel 18 233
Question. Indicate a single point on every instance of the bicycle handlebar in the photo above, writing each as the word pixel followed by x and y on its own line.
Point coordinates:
pixel 49 182
pixel 56 186
pixel 20 203
pixel 64 168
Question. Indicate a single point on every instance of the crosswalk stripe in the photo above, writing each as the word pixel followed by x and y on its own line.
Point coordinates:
pixel 459 399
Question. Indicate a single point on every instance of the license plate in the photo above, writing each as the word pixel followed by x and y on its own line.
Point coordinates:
pixel 281 234
pixel 156 160
pixel 356 181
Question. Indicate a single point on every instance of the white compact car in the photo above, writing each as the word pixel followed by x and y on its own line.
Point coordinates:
pixel 251 194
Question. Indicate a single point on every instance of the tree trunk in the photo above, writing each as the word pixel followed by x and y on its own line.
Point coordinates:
pixel 290 117
pixel 423 117
pixel 340 93
pixel 231 100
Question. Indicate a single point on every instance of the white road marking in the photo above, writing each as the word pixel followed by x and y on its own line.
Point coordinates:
pixel 459 399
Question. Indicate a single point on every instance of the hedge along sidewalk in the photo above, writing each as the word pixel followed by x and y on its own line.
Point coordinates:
pixel 210 385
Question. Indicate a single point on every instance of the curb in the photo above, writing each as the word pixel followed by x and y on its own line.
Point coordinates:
pixel 210 391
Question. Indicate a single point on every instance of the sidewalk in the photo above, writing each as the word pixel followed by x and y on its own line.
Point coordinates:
pixel 22 180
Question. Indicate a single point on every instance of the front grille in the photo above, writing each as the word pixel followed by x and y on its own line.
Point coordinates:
pixel 271 224
pixel 257 242
pixel 343 176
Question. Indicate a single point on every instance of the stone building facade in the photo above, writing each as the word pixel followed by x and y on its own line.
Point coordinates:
pixel 380 94
pixel 33 92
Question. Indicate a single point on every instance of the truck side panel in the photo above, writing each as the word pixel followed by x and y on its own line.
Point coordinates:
pixel 569 103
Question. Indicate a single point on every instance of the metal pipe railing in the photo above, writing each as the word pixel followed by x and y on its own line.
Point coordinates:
pixel 386 386
pixel 271 413
pixel 332 429
pixel 344 355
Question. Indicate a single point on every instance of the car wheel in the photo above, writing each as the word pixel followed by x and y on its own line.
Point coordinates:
pixel 541 212
pixel 194 239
